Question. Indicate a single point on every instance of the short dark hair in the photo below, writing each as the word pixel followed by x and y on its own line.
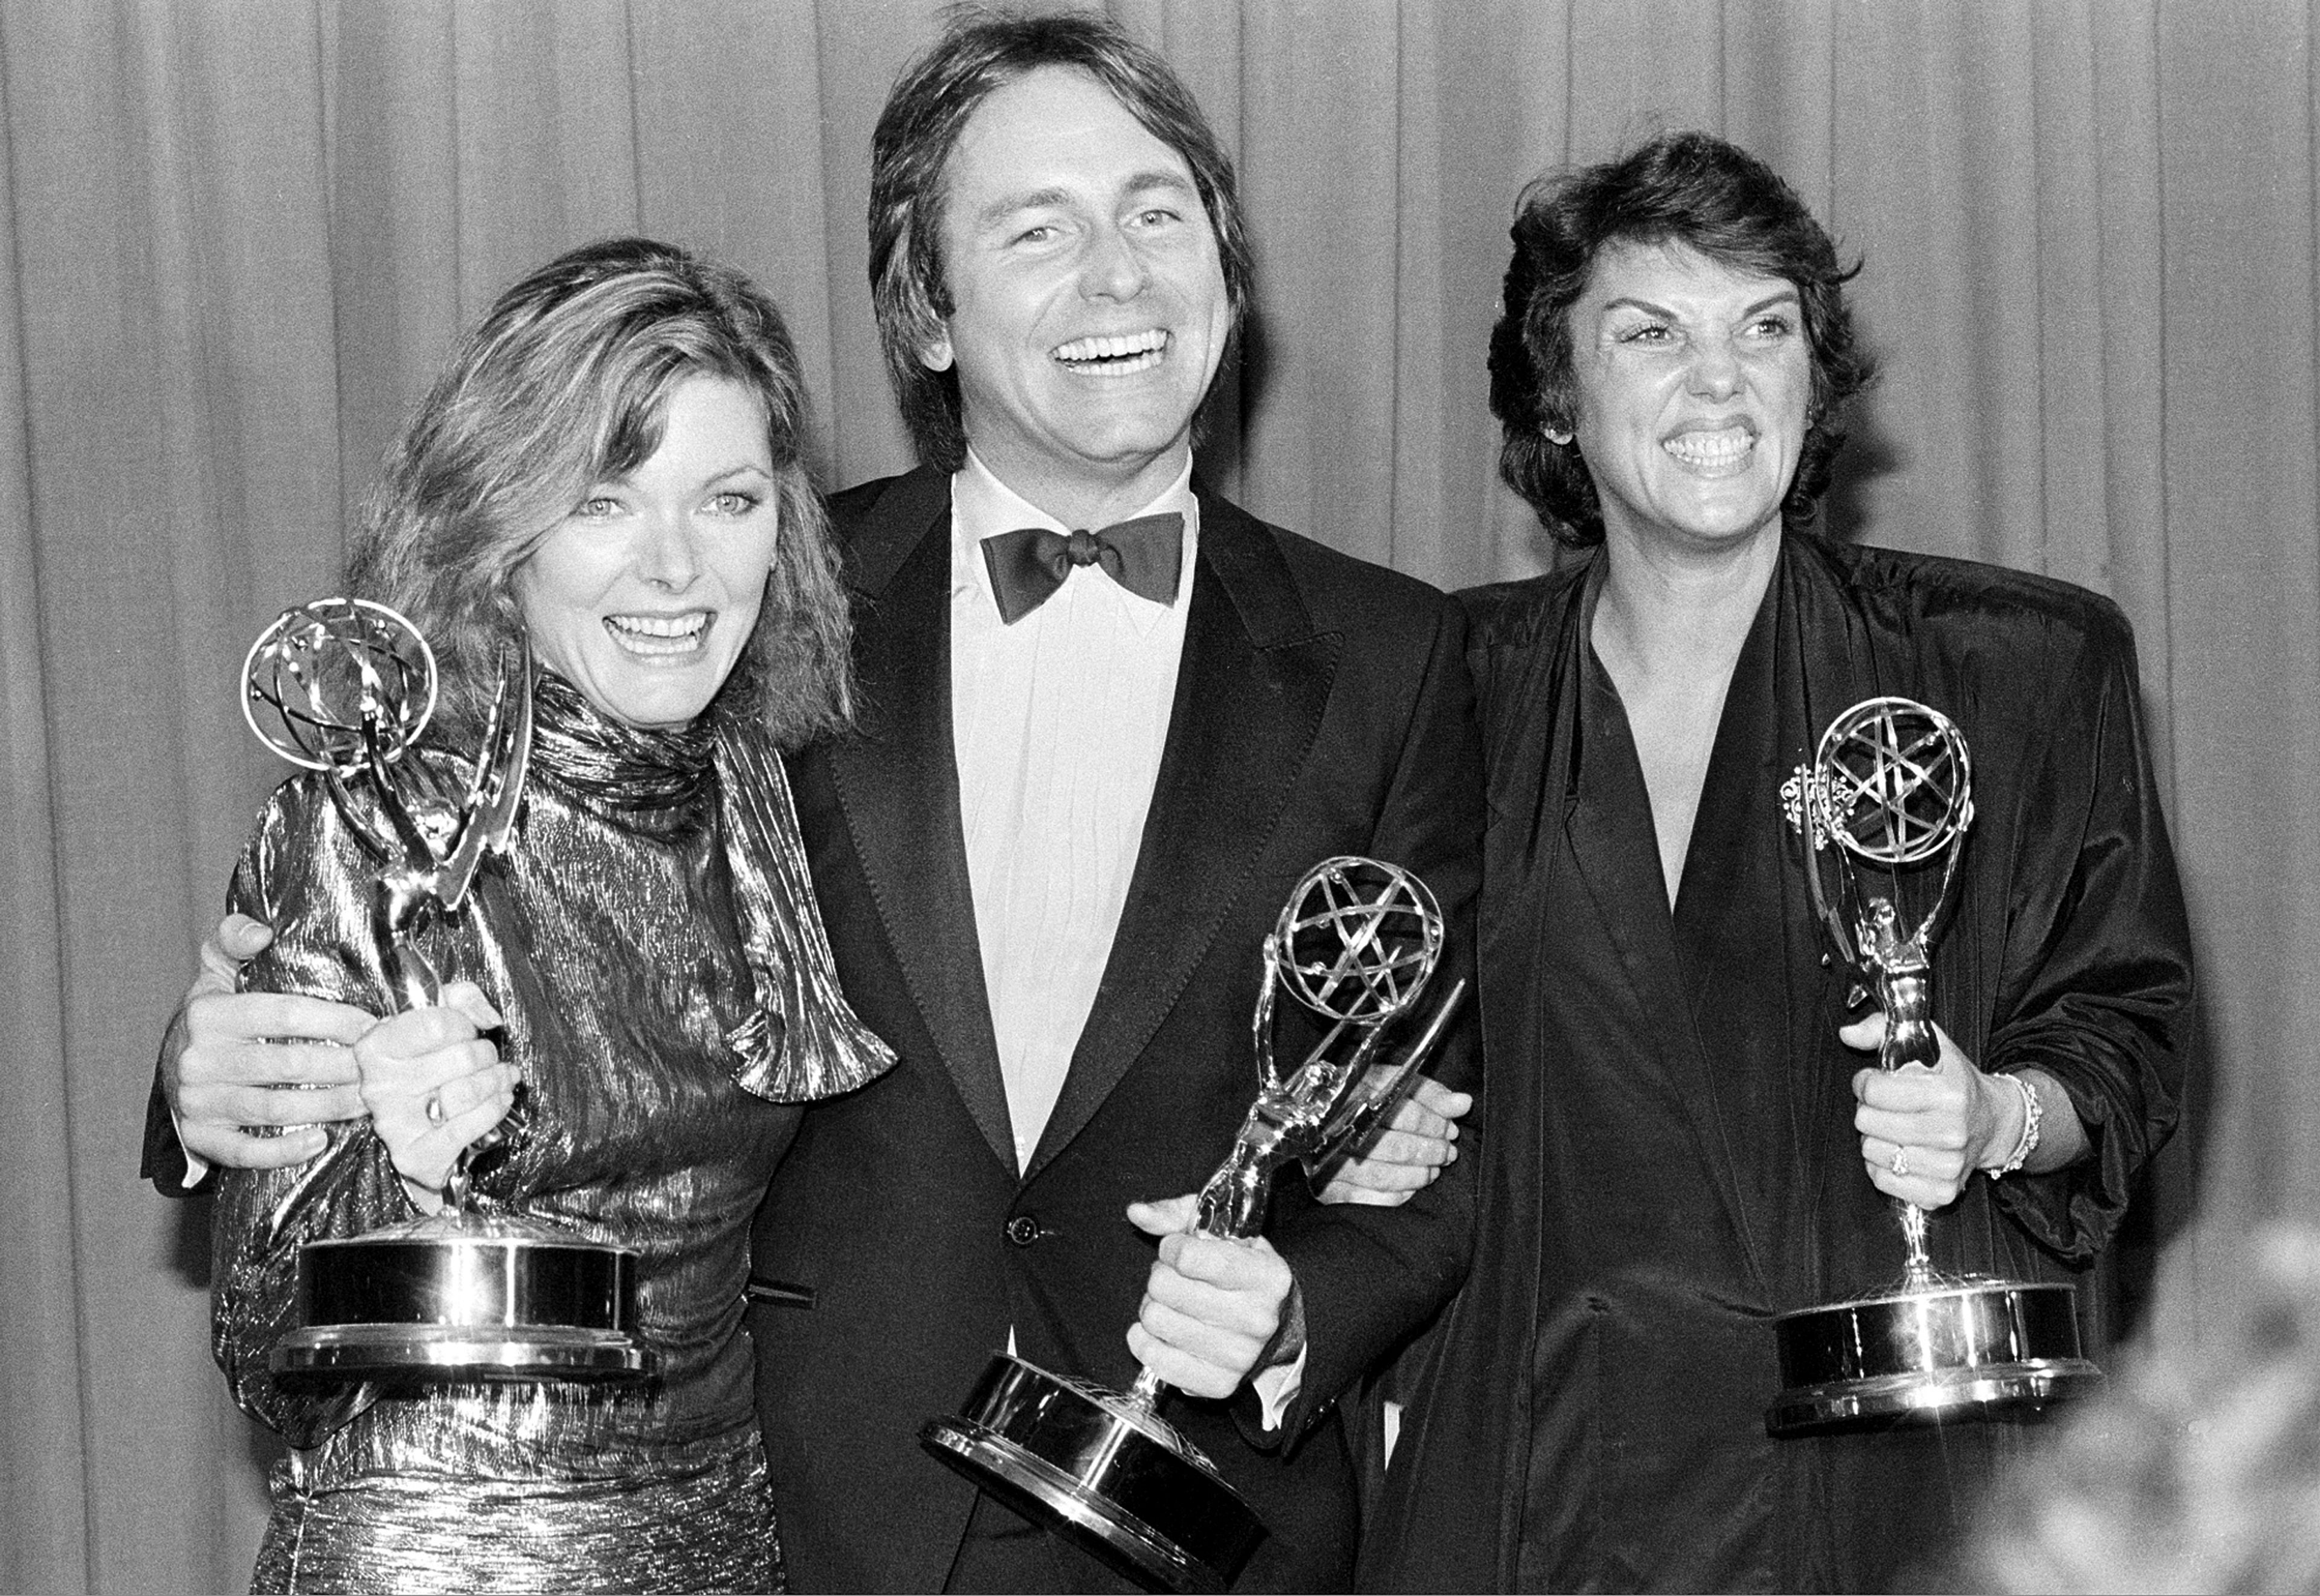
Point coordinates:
pixel 565 383
pixel 978 53
pixel 1690 188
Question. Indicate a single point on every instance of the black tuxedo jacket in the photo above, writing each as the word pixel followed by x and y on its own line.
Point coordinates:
pixel 1323 707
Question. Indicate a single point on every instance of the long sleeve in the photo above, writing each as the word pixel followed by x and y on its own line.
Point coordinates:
pixel 2097 986
pixel 164 1161
pixel 1373 1277
pixel 302 874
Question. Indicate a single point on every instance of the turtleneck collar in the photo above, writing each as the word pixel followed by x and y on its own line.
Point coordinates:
pixel 655 781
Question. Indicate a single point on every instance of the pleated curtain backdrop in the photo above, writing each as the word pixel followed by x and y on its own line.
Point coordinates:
pixel 240 236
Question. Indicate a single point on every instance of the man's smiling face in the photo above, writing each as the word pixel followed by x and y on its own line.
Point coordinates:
pixel 1090 309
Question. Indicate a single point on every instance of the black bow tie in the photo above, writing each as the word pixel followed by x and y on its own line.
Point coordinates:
pixel 1144 556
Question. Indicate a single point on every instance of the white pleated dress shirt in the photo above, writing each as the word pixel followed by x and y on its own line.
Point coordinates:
pixel 1058 722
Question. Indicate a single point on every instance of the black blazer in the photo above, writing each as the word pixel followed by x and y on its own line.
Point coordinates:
pixel 1323 707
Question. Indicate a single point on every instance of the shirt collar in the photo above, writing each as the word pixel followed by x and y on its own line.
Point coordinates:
pixel 982 506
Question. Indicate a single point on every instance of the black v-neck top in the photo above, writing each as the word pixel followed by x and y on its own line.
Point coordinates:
pixel 1668 1133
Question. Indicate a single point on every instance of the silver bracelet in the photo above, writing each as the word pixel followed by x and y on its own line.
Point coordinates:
pixel 2033 1112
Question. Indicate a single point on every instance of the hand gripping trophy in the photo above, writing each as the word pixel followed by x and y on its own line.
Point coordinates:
pixel 1885 806
pixel 346 686
pixel 1356 944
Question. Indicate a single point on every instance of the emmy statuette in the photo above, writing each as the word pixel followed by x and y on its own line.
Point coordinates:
pixel 1885 806
pixel 1356 944
pixel 346 686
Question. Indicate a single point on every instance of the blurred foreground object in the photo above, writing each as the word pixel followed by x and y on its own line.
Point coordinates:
pixel 2200 1469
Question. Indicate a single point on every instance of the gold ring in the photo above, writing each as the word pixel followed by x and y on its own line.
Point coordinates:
pixel 1900 1161
pixel 435 1114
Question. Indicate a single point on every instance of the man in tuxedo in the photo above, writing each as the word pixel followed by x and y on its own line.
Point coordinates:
pixel 1107 720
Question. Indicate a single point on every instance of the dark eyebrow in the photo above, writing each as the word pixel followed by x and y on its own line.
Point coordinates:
pixel 1175 182
pixel 1784 295
pixel 1008 205
pixel 740 468
pixel 1137 185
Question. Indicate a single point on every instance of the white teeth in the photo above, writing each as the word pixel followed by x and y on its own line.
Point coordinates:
pixel 1124 351
pixel 1726 446
pixel 662 626
pixel 658 634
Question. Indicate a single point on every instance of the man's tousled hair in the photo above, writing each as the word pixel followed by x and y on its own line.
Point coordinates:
pixel 979 52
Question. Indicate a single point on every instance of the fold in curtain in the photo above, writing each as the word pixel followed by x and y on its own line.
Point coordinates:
pixel 239 240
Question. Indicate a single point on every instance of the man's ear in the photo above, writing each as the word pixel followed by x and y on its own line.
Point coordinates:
pixel 934 352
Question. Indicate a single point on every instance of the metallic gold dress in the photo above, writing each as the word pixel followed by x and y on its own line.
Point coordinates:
pixel 652 945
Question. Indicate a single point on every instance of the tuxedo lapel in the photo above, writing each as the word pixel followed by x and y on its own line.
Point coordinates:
pixel 1250 695
pixel 897 782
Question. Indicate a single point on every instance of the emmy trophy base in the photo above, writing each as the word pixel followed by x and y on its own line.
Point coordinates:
pixel 464 1298
pixel 1116 1481
pixel 1948 1350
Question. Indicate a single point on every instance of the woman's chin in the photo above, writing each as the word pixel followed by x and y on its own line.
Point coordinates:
pixel 654 697
pixel 1700 534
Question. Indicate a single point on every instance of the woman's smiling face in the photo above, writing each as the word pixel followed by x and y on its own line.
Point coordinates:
pixel 1694 383
pixel 644 596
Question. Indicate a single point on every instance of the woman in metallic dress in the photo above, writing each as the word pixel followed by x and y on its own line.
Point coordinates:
pixel 610 463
